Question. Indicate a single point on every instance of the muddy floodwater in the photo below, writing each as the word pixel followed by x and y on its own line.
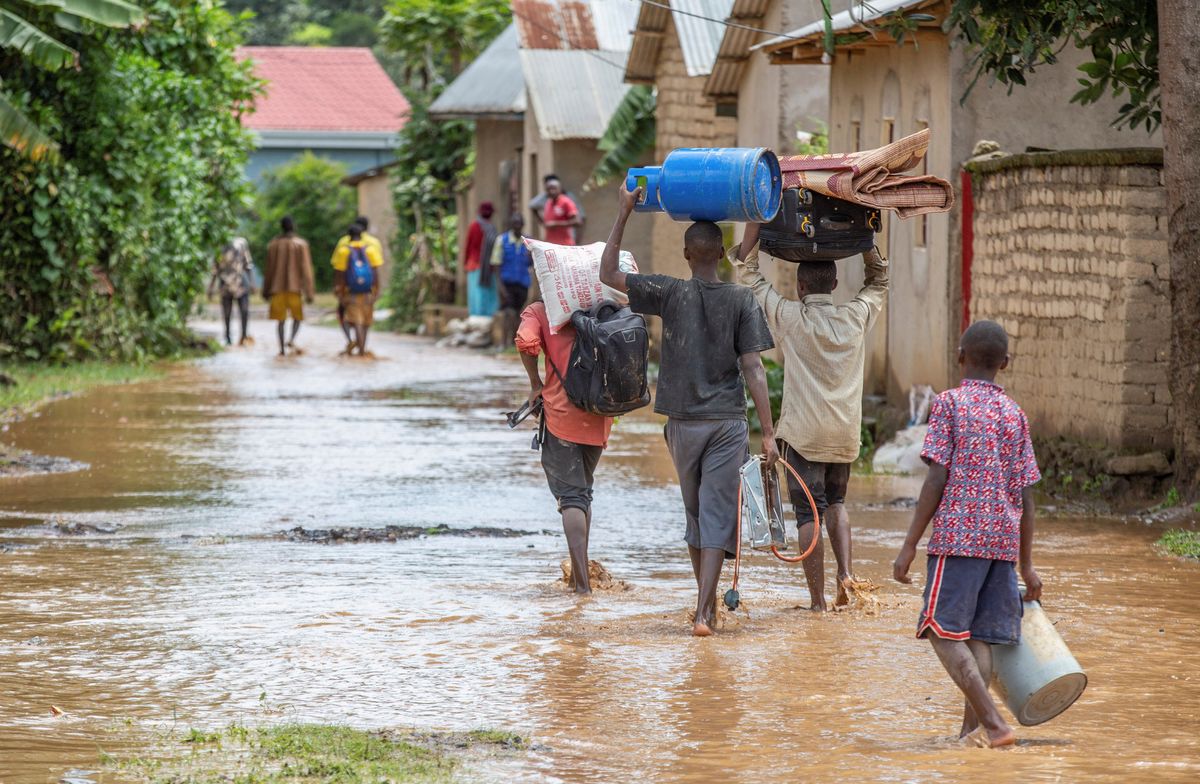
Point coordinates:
pixel 153 590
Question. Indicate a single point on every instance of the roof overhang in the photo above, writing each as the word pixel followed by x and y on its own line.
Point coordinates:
pixel 734 52
pixel 354 179
pixel 854 29
pixel 642 65
pixel 342 140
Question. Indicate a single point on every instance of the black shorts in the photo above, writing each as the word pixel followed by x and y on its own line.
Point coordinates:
pixel 514 297
pixel 826 481
pixel 570 469
pixel 971 599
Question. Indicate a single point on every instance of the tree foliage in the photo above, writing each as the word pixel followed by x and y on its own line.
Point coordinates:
pixel 311 22
pixel 27 39
pixel 1012 38
pixel 432 41
pixel 437 38
pixel 309 189
pixel 103 250
pixel 630 133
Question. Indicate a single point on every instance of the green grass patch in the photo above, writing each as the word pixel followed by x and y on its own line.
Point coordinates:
pixel 307 754
pixel 1185 544
pixel 37 383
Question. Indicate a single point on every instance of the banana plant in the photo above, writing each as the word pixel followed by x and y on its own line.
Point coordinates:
pixel 630 132
pixel 43 50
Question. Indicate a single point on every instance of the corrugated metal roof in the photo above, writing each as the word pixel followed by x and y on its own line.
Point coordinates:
pixel 573 93
pixel 846 21
pixel 642 64
pixel 734 50
pixel 492 85
pixel 613 20
pixel 700 38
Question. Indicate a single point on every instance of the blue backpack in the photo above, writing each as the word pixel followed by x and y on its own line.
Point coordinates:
pixel 360 276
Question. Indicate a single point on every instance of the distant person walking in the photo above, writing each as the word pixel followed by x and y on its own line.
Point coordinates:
pixel 356 283
pixel 233 272
pixel 289 275
pixel 513 260
pixel 560 215
pixel 372 241
pixel 552 185
pixel 477 257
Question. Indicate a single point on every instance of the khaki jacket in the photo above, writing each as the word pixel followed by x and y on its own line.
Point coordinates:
pixel 824 351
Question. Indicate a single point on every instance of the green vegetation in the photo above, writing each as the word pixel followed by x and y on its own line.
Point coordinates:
pixel 23 32
pixel 430 42
pixel 817 144
pixel 105 247
pixel 310 22
pixel 630 133
pixel 37 383
pixel 303 753
pixel 1185 544
pixel 1012 38
pixel 308 188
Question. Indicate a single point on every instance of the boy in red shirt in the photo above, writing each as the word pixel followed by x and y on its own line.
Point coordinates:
pixel 979 495
pixel 574 438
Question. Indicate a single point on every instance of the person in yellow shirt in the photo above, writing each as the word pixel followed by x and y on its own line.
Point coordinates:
pixel 342 242
pixel 356 267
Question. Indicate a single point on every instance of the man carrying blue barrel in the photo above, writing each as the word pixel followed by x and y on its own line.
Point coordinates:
pixel 712 335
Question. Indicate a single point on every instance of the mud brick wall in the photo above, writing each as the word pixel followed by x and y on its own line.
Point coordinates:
pixel 1070 255
pixel 683 118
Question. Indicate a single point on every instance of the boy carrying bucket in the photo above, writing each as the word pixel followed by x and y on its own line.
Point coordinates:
pixel 711 338
pixel 978 493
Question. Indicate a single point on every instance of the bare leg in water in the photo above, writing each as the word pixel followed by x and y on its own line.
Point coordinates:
pixel 706 565
pixel 243 304
pixel 960 662
pixel 814 565
pixel 295 329
pixel 282 325
pixel 837 520
pixel 227 314
pixel 982 652
pixel 576 523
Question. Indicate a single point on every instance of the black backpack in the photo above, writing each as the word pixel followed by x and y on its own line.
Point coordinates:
pixel 607 375
pixel 811 226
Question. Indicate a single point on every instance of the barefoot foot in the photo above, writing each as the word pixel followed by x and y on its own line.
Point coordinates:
pixel 702 630
pixel 843 595
pixel 991 739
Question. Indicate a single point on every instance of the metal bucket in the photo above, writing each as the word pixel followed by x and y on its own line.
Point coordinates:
pixel 1039 678
pixel 712 183
pixel 762 508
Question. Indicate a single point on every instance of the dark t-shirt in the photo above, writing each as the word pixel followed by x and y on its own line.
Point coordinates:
pixel 706 328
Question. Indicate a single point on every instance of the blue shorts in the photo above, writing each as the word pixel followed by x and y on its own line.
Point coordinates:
pixel 971 599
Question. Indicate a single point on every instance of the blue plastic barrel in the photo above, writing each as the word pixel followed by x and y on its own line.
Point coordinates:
pixel 712 183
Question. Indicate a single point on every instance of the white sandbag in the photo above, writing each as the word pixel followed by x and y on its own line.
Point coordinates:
pixel 569 277
pixel 902 455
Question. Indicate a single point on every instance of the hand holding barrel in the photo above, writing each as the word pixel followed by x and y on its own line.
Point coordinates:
pixel 628 199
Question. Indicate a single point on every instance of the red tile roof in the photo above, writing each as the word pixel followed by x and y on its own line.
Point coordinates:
pixel 323 89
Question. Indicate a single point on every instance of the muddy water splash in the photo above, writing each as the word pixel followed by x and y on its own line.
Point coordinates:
pixel 193 613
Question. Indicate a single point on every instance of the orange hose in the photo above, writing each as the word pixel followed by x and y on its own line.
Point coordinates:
pixel 737 561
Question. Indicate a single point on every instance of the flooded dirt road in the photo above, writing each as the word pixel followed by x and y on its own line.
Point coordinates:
pixel 191 612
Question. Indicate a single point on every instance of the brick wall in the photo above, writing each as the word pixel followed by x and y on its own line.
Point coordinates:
pixel 1070 255
pixel 683 118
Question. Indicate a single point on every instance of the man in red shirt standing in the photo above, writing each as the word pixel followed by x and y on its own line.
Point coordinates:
pixel 560 216
pixel 574 439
